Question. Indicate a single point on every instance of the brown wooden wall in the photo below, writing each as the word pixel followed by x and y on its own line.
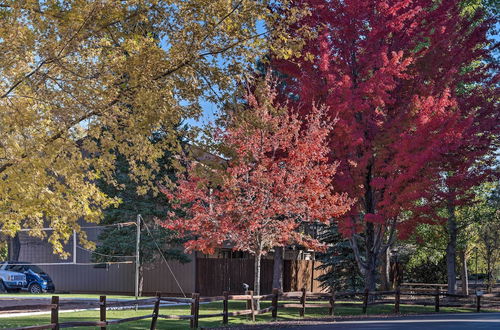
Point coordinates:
pixel 213 276
pixel 298 274
pixel 116 278
pixel 208 276
pixel 121 278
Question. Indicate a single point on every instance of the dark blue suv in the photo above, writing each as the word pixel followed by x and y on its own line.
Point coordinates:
pixel 37 281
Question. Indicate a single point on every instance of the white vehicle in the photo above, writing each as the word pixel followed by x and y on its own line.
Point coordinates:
pixel 11 281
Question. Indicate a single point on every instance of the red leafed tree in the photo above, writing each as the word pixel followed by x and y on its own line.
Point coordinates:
pixel 278 177
pixel 414 99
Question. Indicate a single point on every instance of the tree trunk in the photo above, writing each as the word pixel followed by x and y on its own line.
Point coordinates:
pixel 256 279
pixel 14 248
pixel 278 268
pixel 377 238
pixel 451 249
pixel 371 279
pixel 372 252
pixel 464 274
pixel 385 271
pixel 371 258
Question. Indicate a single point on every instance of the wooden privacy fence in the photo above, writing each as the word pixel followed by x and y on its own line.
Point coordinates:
pixel 306 300
pixel 214 275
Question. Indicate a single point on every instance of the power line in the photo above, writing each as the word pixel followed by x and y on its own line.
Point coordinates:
pixel 163 256
pixel 119 225
pixel 102 254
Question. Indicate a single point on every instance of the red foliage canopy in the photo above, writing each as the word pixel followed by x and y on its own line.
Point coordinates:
pixel 414 99
pixel 279 176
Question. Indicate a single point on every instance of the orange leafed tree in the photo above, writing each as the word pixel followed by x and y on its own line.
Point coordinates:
pixel 278 177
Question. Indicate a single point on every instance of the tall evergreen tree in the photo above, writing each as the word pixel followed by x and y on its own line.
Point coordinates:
pixel 343 273
pixel 157 242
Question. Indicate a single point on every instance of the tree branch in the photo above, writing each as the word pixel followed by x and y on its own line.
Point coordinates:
pixel 50 60
pixel 357 254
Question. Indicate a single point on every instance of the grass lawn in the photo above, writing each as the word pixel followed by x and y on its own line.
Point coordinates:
pixel 216 307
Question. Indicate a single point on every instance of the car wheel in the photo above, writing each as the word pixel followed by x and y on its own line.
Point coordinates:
pixel 35 288
pixel 3 289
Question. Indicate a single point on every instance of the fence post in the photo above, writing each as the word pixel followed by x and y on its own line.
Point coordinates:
pixel 225 306
pixel 102 310
pixel 332 303
pixel 54 313
pixel 436 308
pixel 250 304
pixel 156 311
pixel 195 309
pixel 302 311
pixel 276 293
pixel 397 299
pixel 478 303
pixel 365 300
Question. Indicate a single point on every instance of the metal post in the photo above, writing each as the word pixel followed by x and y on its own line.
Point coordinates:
pixel 225 305
pixel 436 301
pixel 137 262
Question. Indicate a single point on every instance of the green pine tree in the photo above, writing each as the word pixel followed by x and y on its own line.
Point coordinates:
pixel 343 274
pixel 157 243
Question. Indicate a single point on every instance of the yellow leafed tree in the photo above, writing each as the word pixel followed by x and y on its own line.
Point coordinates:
pixel 83 80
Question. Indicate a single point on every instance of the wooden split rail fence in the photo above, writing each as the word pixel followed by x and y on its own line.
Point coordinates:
pixel 316 300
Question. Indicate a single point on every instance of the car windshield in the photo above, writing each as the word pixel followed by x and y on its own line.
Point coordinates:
pixel 21 268
pixel 35 269
pixel 16 268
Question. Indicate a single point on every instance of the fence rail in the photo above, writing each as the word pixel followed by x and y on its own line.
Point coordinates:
pixel 304 302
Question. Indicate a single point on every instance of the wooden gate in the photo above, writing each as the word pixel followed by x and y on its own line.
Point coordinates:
pixel 213 276
pixel 298 274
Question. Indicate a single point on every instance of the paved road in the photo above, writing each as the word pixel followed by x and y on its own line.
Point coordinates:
pixel 482 321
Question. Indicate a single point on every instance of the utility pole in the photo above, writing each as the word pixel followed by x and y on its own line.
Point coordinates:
pixel 137 262
pixel 74 246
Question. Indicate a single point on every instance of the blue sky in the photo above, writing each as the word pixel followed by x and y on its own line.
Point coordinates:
pixel 210 110
pixel 209 114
